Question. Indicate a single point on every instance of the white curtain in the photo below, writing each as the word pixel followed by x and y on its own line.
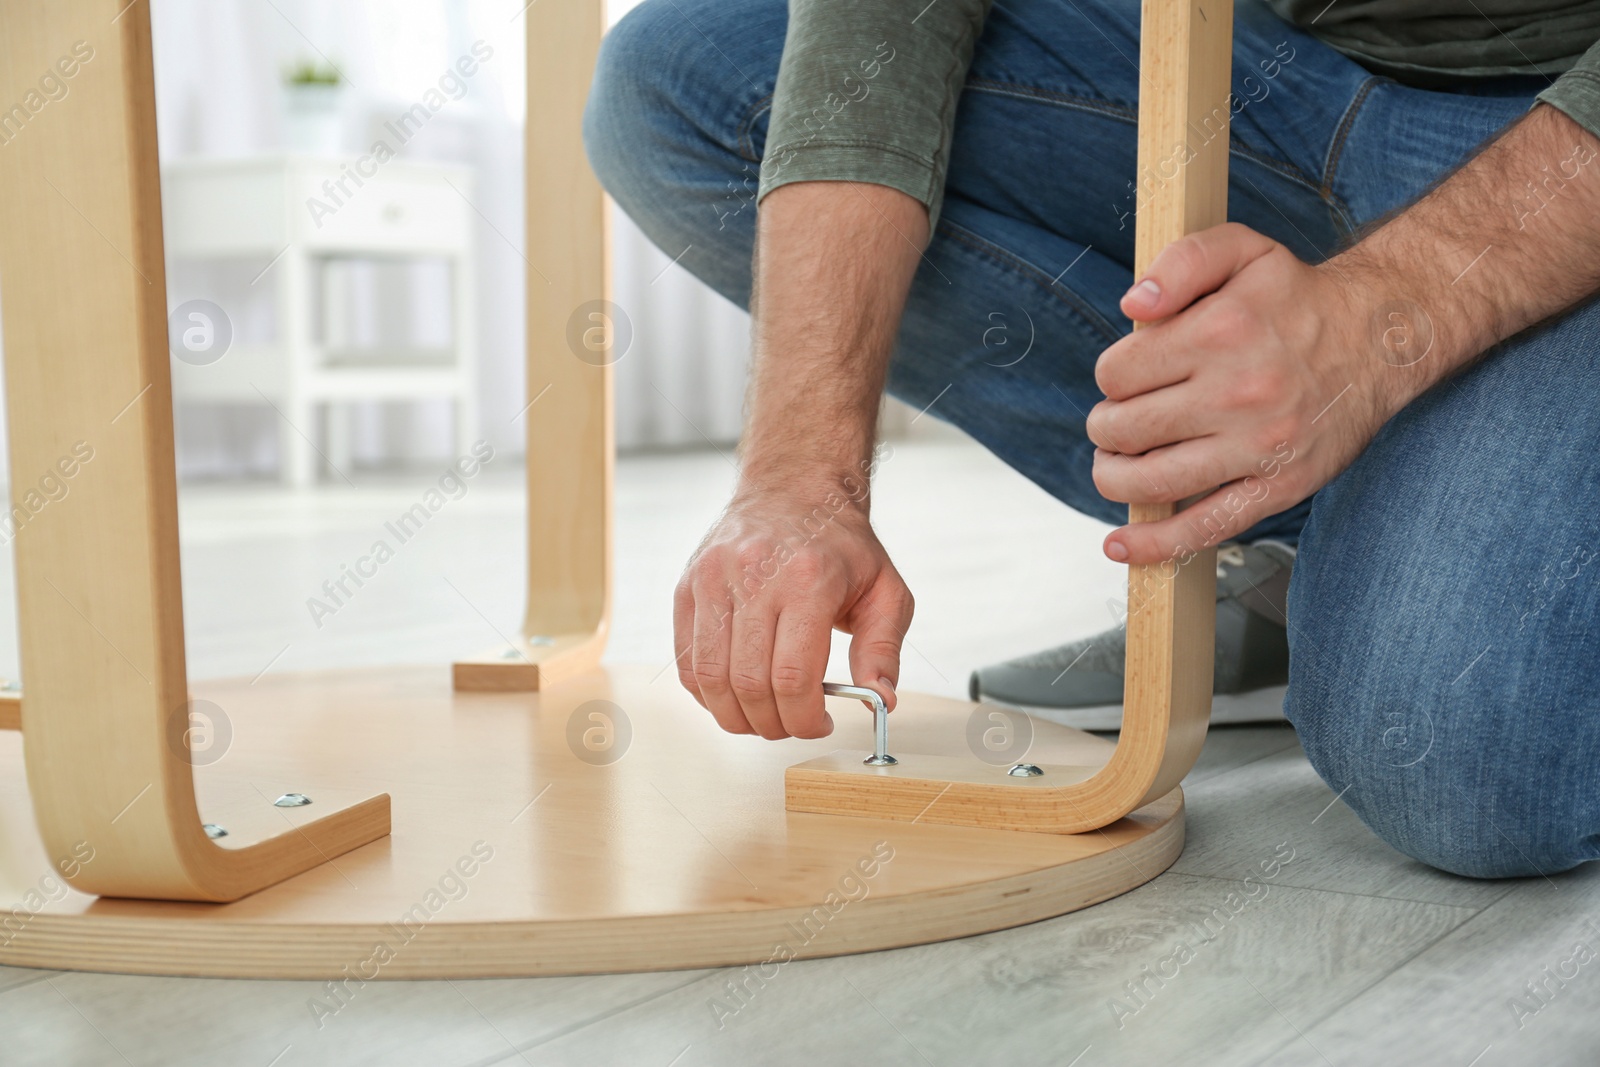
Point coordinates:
pixel 682 382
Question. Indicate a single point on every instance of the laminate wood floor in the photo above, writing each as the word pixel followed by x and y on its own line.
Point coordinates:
pixel 1352 954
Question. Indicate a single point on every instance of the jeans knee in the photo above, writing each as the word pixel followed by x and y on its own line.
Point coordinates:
pixel 675 125
pixel 626 96
pixel 1456 742
pixel 680 94
pixel 1436 789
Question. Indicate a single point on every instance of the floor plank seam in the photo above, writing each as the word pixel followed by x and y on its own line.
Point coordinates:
pixel 1293 743
pixel 1337 892
pixel 31 981
pixel 518 1051
pixel 1380 979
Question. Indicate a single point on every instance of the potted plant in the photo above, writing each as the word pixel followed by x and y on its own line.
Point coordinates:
pixel 311 96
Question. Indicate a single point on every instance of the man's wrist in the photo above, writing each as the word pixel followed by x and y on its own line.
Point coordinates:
pixel 824 479
pixel 1408 322
pixel 1501 244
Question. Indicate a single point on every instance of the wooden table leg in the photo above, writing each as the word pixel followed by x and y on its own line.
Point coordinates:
pixel 89 399
pixel 574 335
pixel 1186 54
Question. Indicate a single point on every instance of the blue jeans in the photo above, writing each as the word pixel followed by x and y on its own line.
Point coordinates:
pixel 1441 615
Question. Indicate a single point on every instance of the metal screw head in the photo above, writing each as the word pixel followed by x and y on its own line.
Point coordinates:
pixel 292 800
pixel 884 760
pixel 536 640
pixel 1025 770
pixel 214 831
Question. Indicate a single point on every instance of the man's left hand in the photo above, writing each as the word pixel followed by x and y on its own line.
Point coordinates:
pixel 1254 384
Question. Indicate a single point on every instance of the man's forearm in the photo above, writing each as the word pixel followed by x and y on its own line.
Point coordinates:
pixel 1512 238
pixel 834 261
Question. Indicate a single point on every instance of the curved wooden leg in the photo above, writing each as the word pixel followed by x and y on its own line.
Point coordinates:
pixel 1184 66
pixel 574 334
pixel 89 398
pixel 1185 59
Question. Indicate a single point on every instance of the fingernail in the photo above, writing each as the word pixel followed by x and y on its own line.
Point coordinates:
pixel 886 683
pixel 1147 293
pixel 1117 551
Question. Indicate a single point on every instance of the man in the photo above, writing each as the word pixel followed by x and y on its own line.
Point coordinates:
pixel 1397 321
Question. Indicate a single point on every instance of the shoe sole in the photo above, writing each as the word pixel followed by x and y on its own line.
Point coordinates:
pixel 1227 709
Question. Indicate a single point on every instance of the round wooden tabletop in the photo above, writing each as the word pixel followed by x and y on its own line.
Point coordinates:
pixel 604 825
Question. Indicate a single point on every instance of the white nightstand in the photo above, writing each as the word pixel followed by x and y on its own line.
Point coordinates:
pixel 278 206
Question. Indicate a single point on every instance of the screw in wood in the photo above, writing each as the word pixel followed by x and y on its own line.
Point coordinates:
pixel 536 640
pixel 880 719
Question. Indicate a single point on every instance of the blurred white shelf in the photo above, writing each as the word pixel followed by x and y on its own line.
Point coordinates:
pixel 295 212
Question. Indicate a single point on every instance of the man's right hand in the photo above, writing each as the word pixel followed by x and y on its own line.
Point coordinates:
pixel 794 557
pixel 754 612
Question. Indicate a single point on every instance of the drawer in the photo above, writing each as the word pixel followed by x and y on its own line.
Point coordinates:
pixel 400 208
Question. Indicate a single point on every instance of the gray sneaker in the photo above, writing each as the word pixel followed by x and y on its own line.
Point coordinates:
pixel 1084 678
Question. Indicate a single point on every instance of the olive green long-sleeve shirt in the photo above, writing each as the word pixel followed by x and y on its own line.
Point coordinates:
pixel 867 89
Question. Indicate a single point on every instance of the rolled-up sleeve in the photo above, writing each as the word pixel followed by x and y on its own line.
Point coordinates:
pixel 867 92
pixel 1577 92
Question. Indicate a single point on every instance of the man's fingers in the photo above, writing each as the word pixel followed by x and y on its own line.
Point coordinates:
pixel 1191 267
pixel 799 661
pixel 1149 421
pixel 750 669
pixel 1167 474
pixel 713 642
pixel 1219 516
pixel 683 639
pixel 1141 362
pixel 878 624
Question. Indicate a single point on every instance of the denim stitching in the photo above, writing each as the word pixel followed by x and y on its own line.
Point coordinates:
pixel 1130 117
pixel 1092 319
pixel 1341 134
pixel 1120 111
pixel 747 145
